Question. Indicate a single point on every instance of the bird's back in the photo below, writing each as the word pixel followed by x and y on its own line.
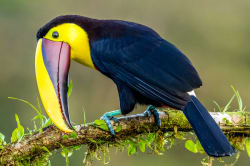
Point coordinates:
pixel 137 56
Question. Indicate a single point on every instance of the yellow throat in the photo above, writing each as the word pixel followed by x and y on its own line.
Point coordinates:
pixel 78 40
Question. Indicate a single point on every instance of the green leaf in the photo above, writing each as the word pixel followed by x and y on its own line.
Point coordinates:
pixel 73 135
pixel 38 110
pixel 65 137
pixel 239 100
pixel 118 128
pixel 26 102
pixel 49 164
pixel 199 147
pixel 14 136
pixel 76 147
pixel 218 106
pixel 63 153
pixel 20 129
pixel 104 127
pixel 47 123
pixel 226 108
pixel 38 116
pixel 142 145
pixel 101 124
pixel 70 152
pixel 226 121
pixel 2 137
pixel 70 87
pixel 17 120
pixel 149 139
pixel 46 149
pixel 131 148
pixel 92 140
pixel 18 133
pixel 66 152
pixel 191 146
pixel 248 146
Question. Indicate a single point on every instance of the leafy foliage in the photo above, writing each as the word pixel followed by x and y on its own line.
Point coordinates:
pixel 131 147
pixel 44 121
pixel 101 124
pixel 241 108
pixel 118 128
pixel 2 142
pixel 194 147
pixel 18 133
pixel 226 108
pixel 155 142
pixel 66 153
pixel 248 146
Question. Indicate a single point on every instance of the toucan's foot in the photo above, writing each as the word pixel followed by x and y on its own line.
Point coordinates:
pixel 110 116
pixel 151 110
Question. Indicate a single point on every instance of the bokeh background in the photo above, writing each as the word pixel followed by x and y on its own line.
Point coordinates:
pixel 214 34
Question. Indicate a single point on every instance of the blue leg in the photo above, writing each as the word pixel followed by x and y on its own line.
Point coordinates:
pixel 110 115
pixel 151 110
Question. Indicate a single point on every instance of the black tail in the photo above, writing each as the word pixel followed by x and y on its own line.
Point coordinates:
pixel 212 139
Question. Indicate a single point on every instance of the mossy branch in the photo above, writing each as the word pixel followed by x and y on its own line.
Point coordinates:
pixel 40 145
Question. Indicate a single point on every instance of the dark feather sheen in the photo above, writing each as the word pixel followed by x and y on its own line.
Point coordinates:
pixel 148 70
pixel 148 64
pixel 136 56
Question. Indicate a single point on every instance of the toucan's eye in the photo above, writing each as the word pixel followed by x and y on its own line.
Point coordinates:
pixel 55 34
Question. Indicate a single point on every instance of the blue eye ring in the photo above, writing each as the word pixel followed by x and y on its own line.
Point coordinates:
pixel 55 34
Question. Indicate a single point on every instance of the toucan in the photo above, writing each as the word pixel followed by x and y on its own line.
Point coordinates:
pixel 146 69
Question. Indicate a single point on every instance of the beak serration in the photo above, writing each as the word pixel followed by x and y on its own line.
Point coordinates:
pixel 52 68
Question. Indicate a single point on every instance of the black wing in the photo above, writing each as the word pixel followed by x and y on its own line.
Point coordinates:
pixel 149 65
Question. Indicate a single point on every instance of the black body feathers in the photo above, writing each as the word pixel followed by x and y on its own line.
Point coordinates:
pixel 148 70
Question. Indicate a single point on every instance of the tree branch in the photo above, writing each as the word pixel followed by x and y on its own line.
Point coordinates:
pixel 37 145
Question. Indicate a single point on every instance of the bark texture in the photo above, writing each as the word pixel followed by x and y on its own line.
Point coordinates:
pixel 36 146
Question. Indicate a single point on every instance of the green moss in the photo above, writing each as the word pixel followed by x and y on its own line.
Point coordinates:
pixel 152 139
pixel 39 160
pixel 175 118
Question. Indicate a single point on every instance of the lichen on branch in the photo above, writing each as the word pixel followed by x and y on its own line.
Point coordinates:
pixel 39 145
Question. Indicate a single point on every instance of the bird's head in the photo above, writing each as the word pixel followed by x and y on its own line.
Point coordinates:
pixel 59 41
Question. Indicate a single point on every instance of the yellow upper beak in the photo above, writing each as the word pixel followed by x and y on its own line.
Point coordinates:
pixel 51 66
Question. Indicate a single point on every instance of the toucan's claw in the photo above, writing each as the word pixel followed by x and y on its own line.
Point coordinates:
pixel 107 120
pixel 151 110
pixel 110 116
pixel 116 120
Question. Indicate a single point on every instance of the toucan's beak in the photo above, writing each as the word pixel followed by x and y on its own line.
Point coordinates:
pixel 52 67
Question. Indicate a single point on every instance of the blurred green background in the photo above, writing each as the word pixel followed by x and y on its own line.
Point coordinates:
pixel 215 35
